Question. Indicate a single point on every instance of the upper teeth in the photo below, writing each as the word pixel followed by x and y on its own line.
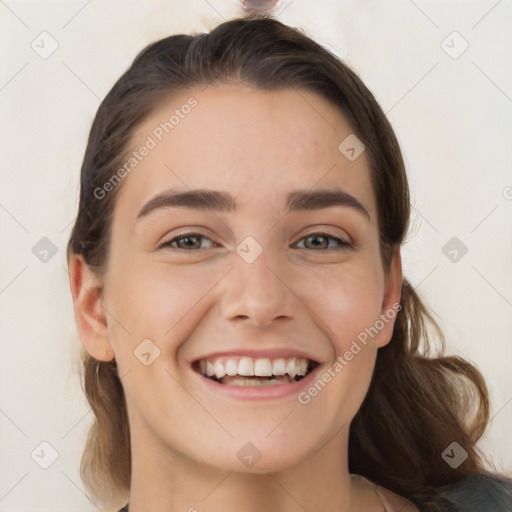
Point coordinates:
pixel 249 367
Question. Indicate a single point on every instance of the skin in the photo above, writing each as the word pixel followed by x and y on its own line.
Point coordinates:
pixel 256 145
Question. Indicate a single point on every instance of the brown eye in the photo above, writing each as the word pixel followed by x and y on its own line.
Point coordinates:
pixel 186 241
pixel 320 241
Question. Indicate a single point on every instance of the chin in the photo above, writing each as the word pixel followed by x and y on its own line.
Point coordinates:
pixel 261 457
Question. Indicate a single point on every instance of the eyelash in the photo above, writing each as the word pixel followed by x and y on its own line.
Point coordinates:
pixel 342 244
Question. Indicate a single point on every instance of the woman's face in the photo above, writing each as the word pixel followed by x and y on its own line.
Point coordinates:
pixel 265 276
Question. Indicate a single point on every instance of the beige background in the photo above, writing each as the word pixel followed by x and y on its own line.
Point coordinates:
pixel 453 118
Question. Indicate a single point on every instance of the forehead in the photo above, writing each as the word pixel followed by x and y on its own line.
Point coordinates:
pixel 256 144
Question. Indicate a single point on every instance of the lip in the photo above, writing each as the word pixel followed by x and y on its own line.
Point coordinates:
pixel 273 392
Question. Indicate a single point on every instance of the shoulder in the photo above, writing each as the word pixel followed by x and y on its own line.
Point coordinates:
pixel 393 502
pixel 475 493
pixel 479 493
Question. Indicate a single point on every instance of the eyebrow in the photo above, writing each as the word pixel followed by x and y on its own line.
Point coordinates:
pixel 296 200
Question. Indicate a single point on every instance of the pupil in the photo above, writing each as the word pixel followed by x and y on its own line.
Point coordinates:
pixel 317 238
pixel 188 238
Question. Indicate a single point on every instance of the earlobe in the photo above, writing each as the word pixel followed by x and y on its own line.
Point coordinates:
pixel 90 317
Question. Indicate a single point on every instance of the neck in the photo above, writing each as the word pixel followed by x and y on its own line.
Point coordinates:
pixel 169 482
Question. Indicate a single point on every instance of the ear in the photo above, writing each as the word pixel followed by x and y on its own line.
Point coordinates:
pixel 391 301
pixel 90 317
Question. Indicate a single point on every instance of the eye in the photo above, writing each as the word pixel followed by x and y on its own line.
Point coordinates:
pixel 192 241
pixel 186 241
pixel 320 241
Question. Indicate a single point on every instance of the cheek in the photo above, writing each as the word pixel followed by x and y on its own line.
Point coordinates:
pixel 349 307
pixel 348 301
pixel 154 301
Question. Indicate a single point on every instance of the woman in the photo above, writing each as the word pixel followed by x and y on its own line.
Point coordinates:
pixel 250 341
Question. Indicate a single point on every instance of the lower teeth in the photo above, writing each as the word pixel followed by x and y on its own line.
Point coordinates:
pixel 241 381
pixel 253 381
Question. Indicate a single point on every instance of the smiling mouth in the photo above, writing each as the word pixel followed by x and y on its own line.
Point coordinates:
pixel 248 371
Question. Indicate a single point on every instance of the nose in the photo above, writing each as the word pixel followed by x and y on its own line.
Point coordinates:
pixel 258 292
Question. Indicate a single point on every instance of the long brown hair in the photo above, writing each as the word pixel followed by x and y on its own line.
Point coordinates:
pixel 418 403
